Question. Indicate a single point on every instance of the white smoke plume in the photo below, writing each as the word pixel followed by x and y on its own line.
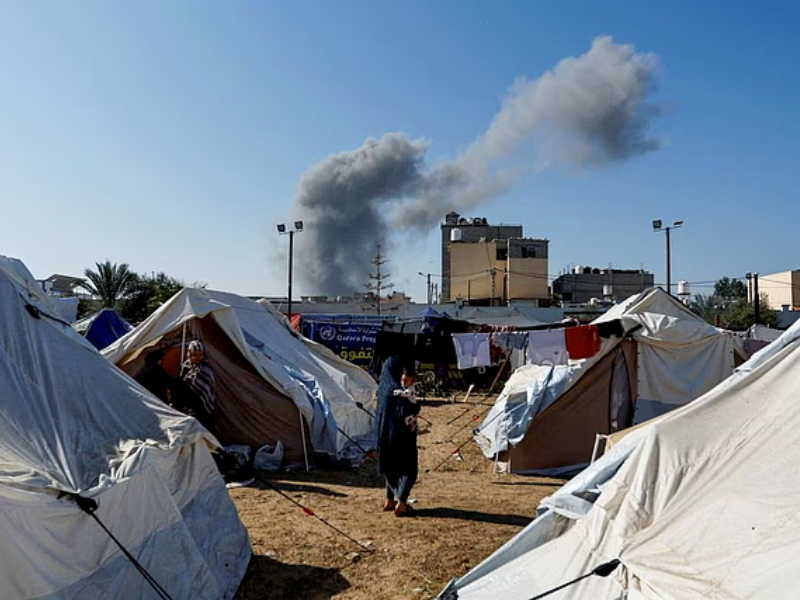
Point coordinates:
pixel 588 111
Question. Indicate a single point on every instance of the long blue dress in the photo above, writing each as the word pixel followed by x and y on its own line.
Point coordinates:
pixel 397 444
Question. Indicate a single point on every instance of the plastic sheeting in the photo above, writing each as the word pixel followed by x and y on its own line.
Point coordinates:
pixel 70 422
pixel 699 503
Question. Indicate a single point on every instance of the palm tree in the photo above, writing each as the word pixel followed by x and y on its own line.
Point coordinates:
pixel 110 282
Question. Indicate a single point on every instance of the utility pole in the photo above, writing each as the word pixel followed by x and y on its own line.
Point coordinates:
pixel 377 283
pixel 756 300
pixel 752 291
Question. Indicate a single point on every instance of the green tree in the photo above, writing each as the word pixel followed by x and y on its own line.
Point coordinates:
pixel 730 289
pixel 109 283
pixel 728 306
pixel 147 294
pixel 743 314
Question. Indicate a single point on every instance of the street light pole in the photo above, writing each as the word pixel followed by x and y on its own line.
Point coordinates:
pixel 669 280
pixel 298 227
pixel 430 288
pixel 291 254
pixel 657 227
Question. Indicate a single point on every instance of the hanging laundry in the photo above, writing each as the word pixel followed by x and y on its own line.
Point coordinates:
pixel 583 341
pixel 547 347
pixel 472 350
pixel 510 340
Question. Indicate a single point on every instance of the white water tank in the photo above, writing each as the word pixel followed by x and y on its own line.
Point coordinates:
pixel 608 291
pixel 577 269
pixel 455 235
pixel 683 288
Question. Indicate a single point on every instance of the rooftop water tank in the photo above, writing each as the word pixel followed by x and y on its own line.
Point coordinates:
pixel 455 235
pixel 683 288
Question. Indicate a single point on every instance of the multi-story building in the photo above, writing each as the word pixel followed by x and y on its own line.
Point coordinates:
pixel 585 283
pixel 782 289
pixel 491 264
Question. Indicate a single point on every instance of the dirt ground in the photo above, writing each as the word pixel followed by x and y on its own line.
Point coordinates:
pixel 463 513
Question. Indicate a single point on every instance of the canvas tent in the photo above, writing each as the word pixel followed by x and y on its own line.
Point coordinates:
pixel 547 417
pixel 700 503
pixel 266 377
pixel 71 423
pixel 102 328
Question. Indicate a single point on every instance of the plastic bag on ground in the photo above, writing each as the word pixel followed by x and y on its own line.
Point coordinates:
pixel 269 458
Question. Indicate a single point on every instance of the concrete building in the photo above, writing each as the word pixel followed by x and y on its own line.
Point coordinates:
pixel 782 290
pixel 585 283
pixel 485 264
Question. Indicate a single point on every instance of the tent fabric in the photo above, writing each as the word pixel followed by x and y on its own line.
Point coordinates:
pixel 256 341
pixel 685 502
pixel 103 328
pixel 70 422
pixel 675 357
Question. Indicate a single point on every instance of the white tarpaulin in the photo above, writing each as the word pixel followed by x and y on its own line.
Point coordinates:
pixel 700 503
pixel 71 423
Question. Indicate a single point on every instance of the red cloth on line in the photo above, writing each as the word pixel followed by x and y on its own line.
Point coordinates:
pixel 583 341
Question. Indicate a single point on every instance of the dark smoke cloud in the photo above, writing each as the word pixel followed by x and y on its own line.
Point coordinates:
pixel 588 111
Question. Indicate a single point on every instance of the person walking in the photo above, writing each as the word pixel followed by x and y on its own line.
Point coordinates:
pixel 397 439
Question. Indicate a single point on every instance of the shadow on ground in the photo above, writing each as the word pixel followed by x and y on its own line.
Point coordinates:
pixel 555 484
pixel 472 515
pixel 294 487
pixel 363 476
pixel 268 579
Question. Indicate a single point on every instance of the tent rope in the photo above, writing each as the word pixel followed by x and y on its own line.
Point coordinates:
pixel 367 453
pixel 89 506
pixel 311 513
pixel 361 406
pixel 603 570
pixel 36 313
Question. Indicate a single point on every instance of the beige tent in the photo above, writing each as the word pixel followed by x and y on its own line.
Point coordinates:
pixel 547 417
pixel 701 503
pixel 270 386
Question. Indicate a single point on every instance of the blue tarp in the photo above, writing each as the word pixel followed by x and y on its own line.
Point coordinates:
pixel 105 328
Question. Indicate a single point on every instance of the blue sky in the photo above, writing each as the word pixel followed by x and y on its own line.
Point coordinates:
pixel 172 135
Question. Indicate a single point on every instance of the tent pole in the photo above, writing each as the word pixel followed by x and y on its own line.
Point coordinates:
pixel 183 344
pixel 303 437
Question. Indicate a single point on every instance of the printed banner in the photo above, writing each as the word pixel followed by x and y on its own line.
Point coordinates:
pixel 353 342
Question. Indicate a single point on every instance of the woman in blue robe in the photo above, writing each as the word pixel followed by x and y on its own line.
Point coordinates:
pixel 397 442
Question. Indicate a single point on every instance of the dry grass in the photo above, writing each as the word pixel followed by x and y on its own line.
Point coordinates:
pixel 463 513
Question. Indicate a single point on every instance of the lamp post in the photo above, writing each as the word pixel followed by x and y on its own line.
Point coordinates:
pixel 298 227
pixel 657 227
pixel 428 277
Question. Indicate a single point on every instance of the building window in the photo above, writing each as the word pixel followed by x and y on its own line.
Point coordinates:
pixel 502 253
pixel 528 251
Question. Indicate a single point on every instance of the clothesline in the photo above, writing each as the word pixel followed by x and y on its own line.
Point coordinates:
pixel 553 344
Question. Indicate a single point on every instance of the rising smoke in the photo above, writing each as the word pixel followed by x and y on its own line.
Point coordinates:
pixel 588 111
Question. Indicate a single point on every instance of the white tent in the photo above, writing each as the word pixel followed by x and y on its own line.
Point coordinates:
pixel 322 387
pixel 72 424
pixel 546 418
pixel 700 503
